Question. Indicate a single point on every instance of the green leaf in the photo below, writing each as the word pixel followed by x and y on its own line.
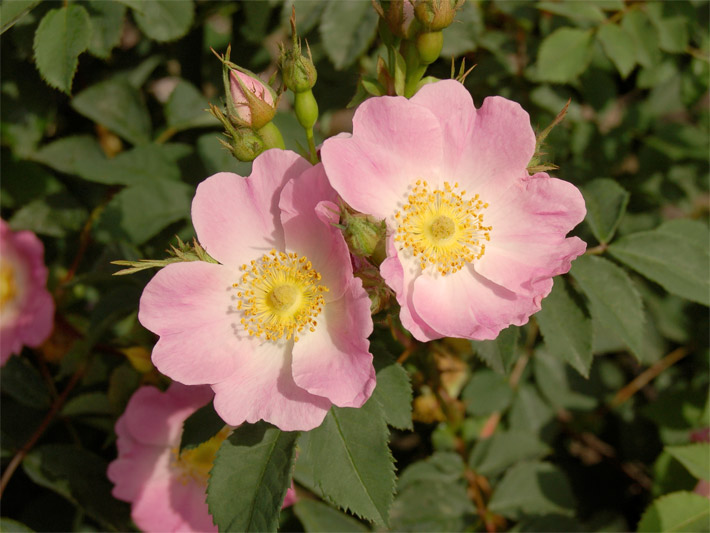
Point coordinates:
pixel 532 488
pixel 318 517
pixel 564 55
pixel 393 391
pixel 580 11
pixel 106 26
pixel 348 460
pixel 62 35
pixel 118 106
pixel 140 211
pixel 187 108
pixel 636 23
pixel 613 299
pixel 460 37
pixel 606 204
pixel 11 12
pixel 431 496
pixel 250 476
pixel 695 457
pixel 79 476
pixel 308 14
pixel 200 427
pixel 347 29
pixel 164 20
pixel 486 392
pixel 672 31
pixel 675 255
pixel 567 330
pixel 560 385
pixel 90 403
pixel 529 411
pixel 678 511
pixel 55 215
pixel 619 46
pixel 499 354
pixel 503 449
pixel 67 153
pixel 22 381
pixel 8 525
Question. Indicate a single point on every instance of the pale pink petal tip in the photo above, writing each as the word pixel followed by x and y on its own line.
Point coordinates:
pixel 408 158
pixel 27 308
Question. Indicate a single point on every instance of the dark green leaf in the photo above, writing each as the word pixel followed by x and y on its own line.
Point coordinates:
pixel 318 517
pixel 141 164
pixel 606 204
pixel 636 23
pixel 250 476
pixel 164 20
pixel 11 12
pixel 187 108
pixel 200 427
pixel 23 382
pixel 118 106
pixel 566 328
pixel 55 215
pixel 216 158
pixel 532 488
pixel 672 30
pixel 348 460
pixel 695 457
pixel 613 299
pixel 307 15
pixel 580 11
pixel 67 153
pixel 394 390
pixel 560 385
pixel 106 26
pixel 79 476
pixel 500 354
pixel 62 35
pixel 347 28
pixel 11 526
pixel 486 393
pixel 619 46
pixel 140 211
pixel 503 449
pixel 529 411
pixel 23 181
pixel 675 255
pixel 431 496
pixel 564 55
pixel 460 37
pixel 678 511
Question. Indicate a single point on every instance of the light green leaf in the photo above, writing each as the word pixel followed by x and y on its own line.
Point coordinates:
pixel 695 457
pixel 106 26
pixel 532 488
pixel 187 108
pixel 164 20
pixel 200 427
pixel 11 12
pixel 503 449
pixel 613 299
pixel 61 36
pixel 348 460
pixel 580 11
pixel 606 204
pixel 566 328
pixel 394 390
pixel 636 23
pixel 461 36
pixel 675 255
pixel 678 511
pixel 318 517
pixel 118 106
pixel 431 496
pixel 250 476
pixel 486 392
pixel 499 354
pixel 140 211
pixel 564 55
pixel 308 13
pixel 347 29
pixel 619 46
pixel 79 476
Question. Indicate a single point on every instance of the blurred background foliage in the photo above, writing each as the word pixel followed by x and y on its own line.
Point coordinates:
pixel 104 138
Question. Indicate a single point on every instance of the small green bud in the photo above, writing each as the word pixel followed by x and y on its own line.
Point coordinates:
pixel 435 15
pixel 363 233
pixel 429 46
pixel 297 71
pixel 306 108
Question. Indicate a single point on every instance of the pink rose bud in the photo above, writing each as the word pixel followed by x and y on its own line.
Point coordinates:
pixel 254 101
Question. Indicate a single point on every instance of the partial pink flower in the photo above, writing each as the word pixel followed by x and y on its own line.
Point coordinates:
pixel 279 328
pixel 166 489
pixel 26 307
pixel 473 240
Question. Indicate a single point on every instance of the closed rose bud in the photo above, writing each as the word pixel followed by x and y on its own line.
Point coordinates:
pixel 435 15
pixel 254 102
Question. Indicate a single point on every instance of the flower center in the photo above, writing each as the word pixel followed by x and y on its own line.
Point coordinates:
pixel 195 464
pixel 442 227
pixel 280 296
pixel 8 285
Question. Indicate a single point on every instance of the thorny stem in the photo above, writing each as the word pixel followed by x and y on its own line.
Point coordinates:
pixel 165 136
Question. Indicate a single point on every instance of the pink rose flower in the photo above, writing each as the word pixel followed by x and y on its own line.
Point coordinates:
pixel 166 489
pixel 26 307
pixel 279 329
pixel 473 239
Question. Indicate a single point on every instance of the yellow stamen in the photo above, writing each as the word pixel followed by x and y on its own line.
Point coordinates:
pixel 279 296
pixel 195 464
pixel 442 228
pixel 8 285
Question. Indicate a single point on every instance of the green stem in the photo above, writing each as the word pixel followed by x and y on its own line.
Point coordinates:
pixel 312 146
